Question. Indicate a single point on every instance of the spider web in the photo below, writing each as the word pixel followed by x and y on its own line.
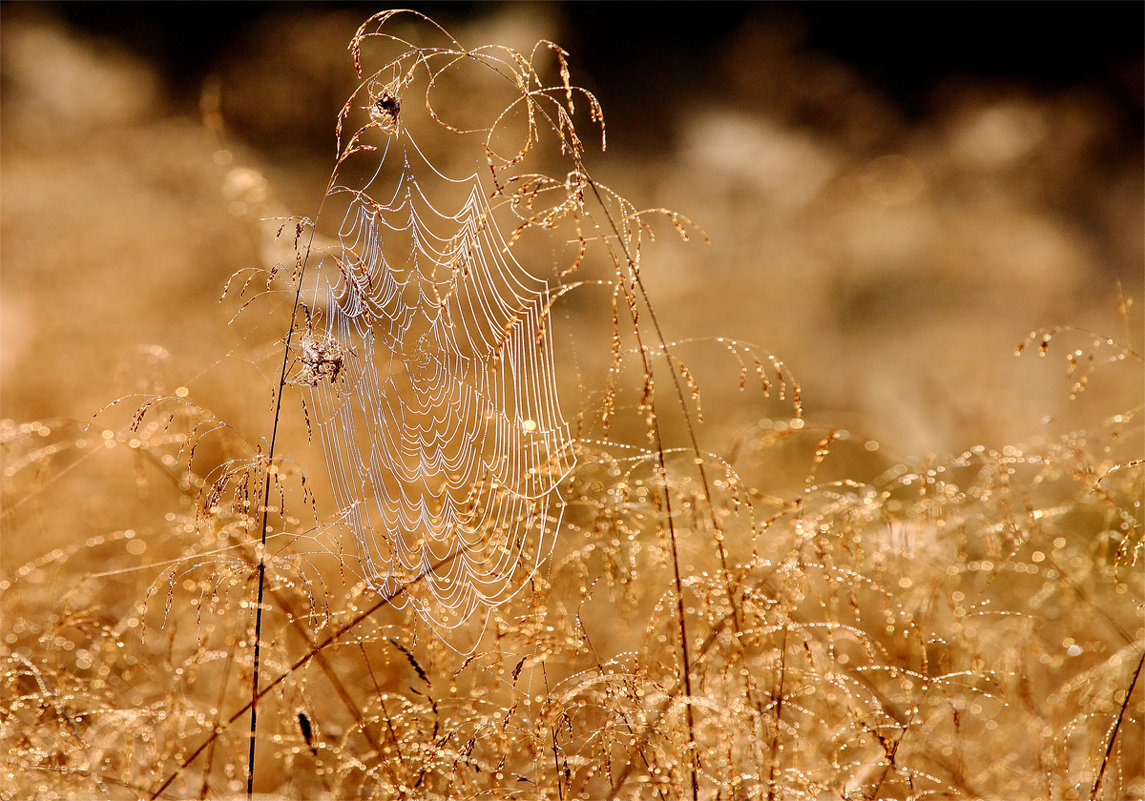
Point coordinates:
pixel 439 419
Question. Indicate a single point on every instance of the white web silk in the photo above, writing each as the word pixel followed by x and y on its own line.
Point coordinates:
pixel 442 431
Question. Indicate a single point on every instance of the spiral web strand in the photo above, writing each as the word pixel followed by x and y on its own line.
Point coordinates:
pixel 431 367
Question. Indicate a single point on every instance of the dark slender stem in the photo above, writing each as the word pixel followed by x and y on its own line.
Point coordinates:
pixel 265 690
pixel 262 549
pixel 1116 727
pixel 314 652
pixel 662 469
pixel 257 656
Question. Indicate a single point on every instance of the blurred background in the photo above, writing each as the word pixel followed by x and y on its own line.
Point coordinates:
pixel 895 195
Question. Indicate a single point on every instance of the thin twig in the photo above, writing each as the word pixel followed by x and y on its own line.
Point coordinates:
pixel 1116 728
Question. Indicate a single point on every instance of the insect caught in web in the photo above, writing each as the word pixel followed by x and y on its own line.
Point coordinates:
pixel 321 360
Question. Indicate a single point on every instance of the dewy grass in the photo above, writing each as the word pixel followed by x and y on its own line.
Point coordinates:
pixel 517 590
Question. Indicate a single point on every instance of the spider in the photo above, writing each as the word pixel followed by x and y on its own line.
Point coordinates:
pixel 385 109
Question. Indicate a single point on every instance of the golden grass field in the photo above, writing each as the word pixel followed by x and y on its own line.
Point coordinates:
pixel 856 509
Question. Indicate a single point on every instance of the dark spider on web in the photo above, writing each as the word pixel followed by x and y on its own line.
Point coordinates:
pixel 385 109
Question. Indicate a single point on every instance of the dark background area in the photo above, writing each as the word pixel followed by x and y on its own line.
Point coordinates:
pixel 906 49
pixel 775 126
